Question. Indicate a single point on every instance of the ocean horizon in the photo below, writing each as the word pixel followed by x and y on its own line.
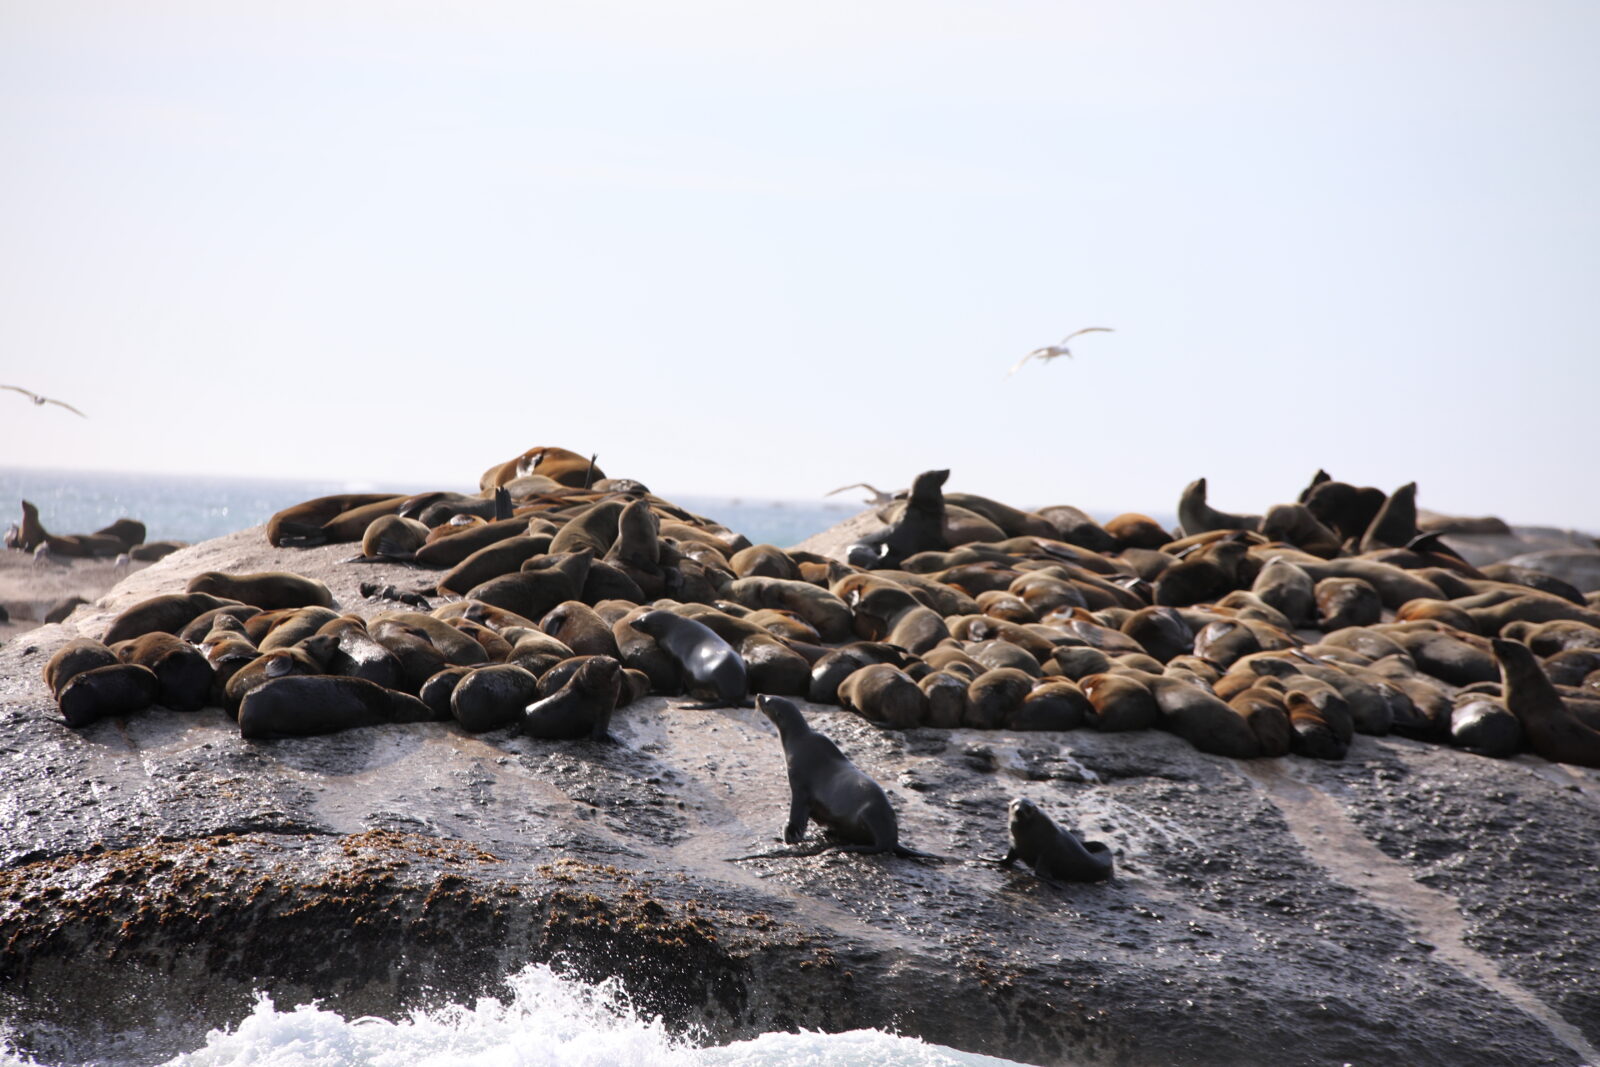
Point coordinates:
pixel 196 507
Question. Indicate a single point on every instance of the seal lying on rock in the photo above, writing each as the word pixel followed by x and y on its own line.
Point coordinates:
pixel 712 669
pixel 824 785
pixel 1055 855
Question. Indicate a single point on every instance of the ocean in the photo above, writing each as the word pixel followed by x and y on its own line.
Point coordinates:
pixel 191 508
pixel 549 1021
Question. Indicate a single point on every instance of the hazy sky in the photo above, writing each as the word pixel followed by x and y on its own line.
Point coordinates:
pixel 767 249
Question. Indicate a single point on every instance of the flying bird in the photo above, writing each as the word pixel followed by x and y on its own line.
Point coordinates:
pixel 37 399
pixel 1049 352
pixel 878 498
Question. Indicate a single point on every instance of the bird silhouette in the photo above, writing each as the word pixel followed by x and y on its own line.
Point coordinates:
pixel 38 400
pixel 878 498
pixel 1049 352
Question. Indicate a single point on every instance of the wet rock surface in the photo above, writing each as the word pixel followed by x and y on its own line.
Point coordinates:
pixel 1411 903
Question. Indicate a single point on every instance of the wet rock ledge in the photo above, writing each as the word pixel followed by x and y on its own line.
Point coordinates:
pixel 1411 903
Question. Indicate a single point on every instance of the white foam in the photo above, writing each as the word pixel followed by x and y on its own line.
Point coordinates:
pixel 548 1021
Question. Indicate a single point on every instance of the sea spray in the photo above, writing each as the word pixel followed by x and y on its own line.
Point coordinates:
pixel 547 1021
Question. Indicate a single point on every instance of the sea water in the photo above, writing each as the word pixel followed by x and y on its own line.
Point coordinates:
pixel 178 507
pixel 548 1021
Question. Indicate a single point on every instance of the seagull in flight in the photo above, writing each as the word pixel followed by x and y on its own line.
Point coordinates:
pixel 38 400
pixel 1049 352
pixel 878 498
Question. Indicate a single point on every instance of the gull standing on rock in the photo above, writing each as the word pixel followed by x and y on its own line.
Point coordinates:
pixel 41 400
pixel 1049 352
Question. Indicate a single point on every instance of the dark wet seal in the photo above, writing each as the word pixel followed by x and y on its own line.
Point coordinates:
pixel 1055 855
pixel 825 786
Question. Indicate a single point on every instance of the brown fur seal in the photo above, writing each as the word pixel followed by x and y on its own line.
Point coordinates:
pixel 560 464
pixel 495 559
pixel 267 590
pixel 322 704
pixel 918 528
pixel 107 692
pixel 581 708
pixel 1344 602
pixel 1551 729
pixel 1055 856
pixel 302 525
pixel 169 613
pixel 1133 530
pixel 1484 726
pixel 281 663
pixel 1119 703
pixel 947 698
pixel 492 696
pixel 77 546
pixel 438 689
pixel 830 616
pixel 73 658
pixel 393 537
pixel 184 673
pixel 884 696
pixel 577 626
pixel 1395 524
pixel 826 787
pixel 1196 516
pixel 1053 704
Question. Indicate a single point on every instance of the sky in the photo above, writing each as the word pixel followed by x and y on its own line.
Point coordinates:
pixel 765 250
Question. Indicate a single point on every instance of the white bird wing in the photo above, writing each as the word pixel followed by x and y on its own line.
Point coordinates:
pixel 1044 352
pixel 63 403
pixel 30 394
pixel 1087 329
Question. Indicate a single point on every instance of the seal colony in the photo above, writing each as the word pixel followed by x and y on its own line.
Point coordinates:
pixel 563 595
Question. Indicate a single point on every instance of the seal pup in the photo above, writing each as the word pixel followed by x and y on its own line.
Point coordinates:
pixel 1055 855
pixel 712 669
pixel 581 708
pixel 824 785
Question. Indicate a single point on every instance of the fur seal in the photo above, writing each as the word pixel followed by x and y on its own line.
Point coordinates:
pixel 712 669
pixel 1053 704
pixel 1484 726
pixel 77 546
pixel 492 696
pixel 267 590
pixel 184 673
pixel 580 708
pixel 107 692
pixel 824 612
pixel 884 696
pixel 825 786
pixel 393 537
pixel 918 528
pixel 169 613
pixel 1395 524
pixel 73 658
pixel 1055 855
pixel 1196 516
pixel 304 524
pixel 1346 602
pixel 1552 730
pixel 323 704
pixel 560 464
